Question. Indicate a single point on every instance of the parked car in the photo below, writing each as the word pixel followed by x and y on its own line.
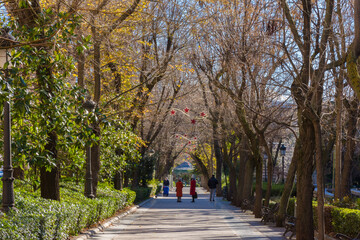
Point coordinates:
pixel 1 172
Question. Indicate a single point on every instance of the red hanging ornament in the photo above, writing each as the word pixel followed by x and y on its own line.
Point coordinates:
pixel 186 110
pixel 172 112
pixel 193 121
pixel 195 138
pixel 202 114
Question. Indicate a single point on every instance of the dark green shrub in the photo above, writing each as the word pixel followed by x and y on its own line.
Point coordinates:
pixel 340 220
pixel 346 221
pixel 143 193
pixel 291 207
pixel 39 218
pixel 276 190
pixel 347 202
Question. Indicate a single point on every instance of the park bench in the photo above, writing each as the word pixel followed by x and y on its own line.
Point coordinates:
pixel 341 236
pixel 290 225
pixel 268 213
pixel 248 204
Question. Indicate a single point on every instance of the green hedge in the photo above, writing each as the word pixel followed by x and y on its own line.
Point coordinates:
pixel 346 221
pixel 276 189
pixel 38 218
pixel 340 220
pixel 291 207
pixel 143 193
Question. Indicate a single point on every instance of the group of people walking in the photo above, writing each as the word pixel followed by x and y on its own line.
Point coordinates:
pixel 179 186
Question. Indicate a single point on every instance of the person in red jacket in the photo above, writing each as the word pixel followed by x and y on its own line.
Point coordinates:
pixel 192 188
pixel 179 187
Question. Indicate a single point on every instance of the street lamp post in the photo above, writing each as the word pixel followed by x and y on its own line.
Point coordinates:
pixel 8 200
pixel 282 153
pixel 265 159
pixel 88 105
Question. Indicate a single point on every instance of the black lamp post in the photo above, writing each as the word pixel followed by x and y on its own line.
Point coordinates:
pixel 265 159
pixel 282 153
pixel 88 105
pixel 8 201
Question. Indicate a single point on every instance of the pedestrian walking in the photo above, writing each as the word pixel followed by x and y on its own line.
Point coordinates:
pixel 166 185
pixel 212 185
pixel 179 187
pixel 193 188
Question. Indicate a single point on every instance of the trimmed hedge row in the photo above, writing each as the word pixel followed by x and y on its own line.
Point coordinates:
pixel 337 219
pixel 38 218
pixel 340 220
pixel 143 193
pixel 346 221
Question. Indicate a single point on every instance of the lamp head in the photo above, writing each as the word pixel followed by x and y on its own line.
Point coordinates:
pixel 282 150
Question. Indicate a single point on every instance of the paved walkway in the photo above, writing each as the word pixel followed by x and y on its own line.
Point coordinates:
pixel 164 218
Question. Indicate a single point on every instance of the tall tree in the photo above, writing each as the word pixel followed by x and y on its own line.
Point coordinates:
pixel 307 89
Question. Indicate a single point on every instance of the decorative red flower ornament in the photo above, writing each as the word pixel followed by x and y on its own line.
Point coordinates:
pixel 195 138
pixel 186 110
pixel 202 114
pixel 189 142
pixel 172 112
pixel 193 121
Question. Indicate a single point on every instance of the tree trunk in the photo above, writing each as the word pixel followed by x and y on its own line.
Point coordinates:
pixel 320 181
pixel 351 130
pixel 49 180
pixel 269 169
pixel 126 179
pixel 248 178
pixel 95 161
pixel 232 182
pixel 338 151
pixel 269 180
pixel 50 188
pixel 241 180
pixel 97 62
pixel 289 184
pixel 244 157
pixel 81 69
pixel 117 77
pixel 357 29
pixel 227 154
pixel 304 211
pixel 95 149
pixel 258 188
pixel 19 173
pixel 219 163
pixel 202 166
pixel 118 181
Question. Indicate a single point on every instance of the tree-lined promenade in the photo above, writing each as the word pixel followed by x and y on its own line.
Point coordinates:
pixel 109 96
